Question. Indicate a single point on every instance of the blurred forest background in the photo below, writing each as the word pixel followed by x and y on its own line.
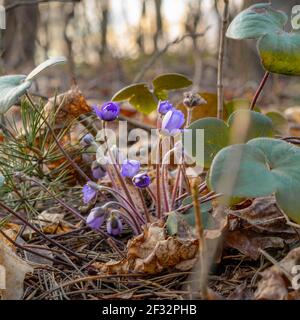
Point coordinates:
pixel 109 42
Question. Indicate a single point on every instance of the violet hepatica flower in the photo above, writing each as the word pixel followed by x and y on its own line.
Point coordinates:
pixel 172 122
pixel 88 140
pixel 89 193
pixel 114 225
pixel 98 170
pixel 141 180
pixel 96 218
pixel 165 106
pixel 108 112
pixel 130 168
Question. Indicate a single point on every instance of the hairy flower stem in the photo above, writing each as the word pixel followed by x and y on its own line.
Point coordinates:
pixel 63 151
pixel 57 244
pixel 114 192
pixel 200 232
pixel 147 214
pixel 158 200
pixel 175 188
pixel 116 168
pixel 165 186
pixel 259 90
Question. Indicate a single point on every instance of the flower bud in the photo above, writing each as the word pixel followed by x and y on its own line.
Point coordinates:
pixel 192 99
pixel 114 225
pixel 98 170
pixel 96 218
pixel 141 180
pixel 88 140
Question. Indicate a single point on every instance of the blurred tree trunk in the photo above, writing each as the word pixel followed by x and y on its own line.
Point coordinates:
pixel 140 39
pixel 20 36
pixel 104 26
pixel 159 27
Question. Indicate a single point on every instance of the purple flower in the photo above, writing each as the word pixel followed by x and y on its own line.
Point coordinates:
pixel 165 106
pixel 141 180
pixel 114 225
pixel 88 193
pixel 88 140
pixel 98 170
pixel 95 218
pixel 130 168
pixel 172 121
pixel 108 112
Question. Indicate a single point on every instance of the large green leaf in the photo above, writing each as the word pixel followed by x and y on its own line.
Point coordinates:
pixel 279 50
pixel 241 171
pixel 259 168
pixel 139 96
pixel 284 162
pixel 253 125
pixel 216 137
pixel 256 21
pixel 11 89
pixel 218 134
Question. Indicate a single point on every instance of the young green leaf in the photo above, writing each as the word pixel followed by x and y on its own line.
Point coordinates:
pixel 139 96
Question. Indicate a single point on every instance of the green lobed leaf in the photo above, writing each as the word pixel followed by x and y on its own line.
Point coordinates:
pixel 256 21
pixel 279 50
pixel 241 171
pixel 218 134
pixel 283 160
pixel 259 168
pixel 139 96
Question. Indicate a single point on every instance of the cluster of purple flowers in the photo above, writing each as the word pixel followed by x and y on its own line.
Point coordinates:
pixel 172 123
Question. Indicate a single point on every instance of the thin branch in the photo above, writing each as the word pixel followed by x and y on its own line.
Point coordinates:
pixel 32 2
pixel 157 54
pixel 221 59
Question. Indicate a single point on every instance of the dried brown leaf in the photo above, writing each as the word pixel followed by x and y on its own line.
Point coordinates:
pixel 249 243
pixel 12 273
pixel 152 252
pixel 276 281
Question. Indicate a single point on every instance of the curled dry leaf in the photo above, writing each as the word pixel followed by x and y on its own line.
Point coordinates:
pixel 276 281
pixel 12 273
pixel 249 243
pixel 263 215
pixel 152 252
pixel 71 105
